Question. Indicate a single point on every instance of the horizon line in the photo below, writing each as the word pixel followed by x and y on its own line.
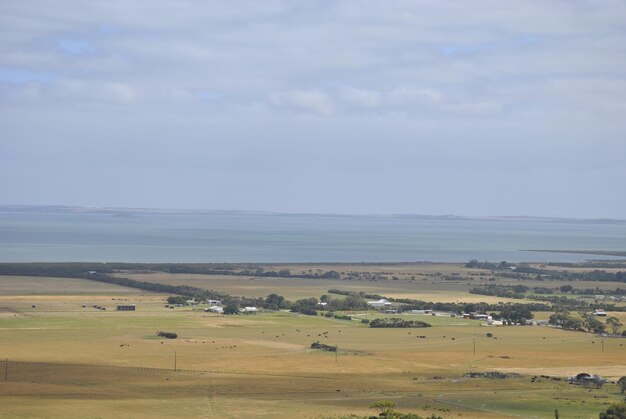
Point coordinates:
pixel 181 211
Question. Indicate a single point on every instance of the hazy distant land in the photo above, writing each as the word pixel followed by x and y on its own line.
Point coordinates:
pixel 115 211
pixel 582 252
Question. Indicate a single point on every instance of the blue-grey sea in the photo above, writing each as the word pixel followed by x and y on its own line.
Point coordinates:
pixel 56 237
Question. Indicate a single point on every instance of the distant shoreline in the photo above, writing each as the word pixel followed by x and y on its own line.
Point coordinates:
pixel 122 212
pixel 581 252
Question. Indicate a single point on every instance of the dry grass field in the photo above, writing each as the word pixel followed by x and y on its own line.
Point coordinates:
pixel 262 365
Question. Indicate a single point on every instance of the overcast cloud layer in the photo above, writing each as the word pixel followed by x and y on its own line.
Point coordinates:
pixel 468 107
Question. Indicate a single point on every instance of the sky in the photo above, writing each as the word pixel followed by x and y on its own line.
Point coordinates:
pixel 356 107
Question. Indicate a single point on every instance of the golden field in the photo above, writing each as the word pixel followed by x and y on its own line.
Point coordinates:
pixel 262 366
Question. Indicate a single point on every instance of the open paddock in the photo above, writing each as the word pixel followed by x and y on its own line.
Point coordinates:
pixel 66 360
pixel 36 285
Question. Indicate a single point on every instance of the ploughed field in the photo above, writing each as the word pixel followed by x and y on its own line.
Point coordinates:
pixel 67 358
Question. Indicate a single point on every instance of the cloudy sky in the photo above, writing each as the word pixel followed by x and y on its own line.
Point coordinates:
pixel 428 107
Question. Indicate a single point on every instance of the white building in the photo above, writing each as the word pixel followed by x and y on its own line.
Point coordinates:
pixel 382 303
pixel 214 303
pixel 249 310
pixel 215 309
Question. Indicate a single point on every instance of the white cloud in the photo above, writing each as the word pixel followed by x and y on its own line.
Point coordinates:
pixel 361 97
pixel 409 87
pixel 308 100
pixel 410 96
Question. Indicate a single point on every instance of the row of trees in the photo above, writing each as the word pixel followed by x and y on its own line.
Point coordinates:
pixel 352 302
pixel 411 304
pixel 525 271
pixel 584 322
pixel 72 269
pixel 396 322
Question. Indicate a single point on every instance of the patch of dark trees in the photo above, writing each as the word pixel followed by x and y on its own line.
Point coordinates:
pixel 323 346
pixel 167 335
pixel 352 302
pixel 334 315
pixel 586 323
pixel 395 322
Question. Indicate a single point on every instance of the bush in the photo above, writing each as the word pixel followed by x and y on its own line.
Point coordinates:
pixel 616 411
pixel 304 310
pixel 305 306
pixel 323 346
pixel 167 335
pixel 231 309
pixel 176 299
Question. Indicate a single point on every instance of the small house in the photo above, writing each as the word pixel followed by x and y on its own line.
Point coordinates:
pixel 249 310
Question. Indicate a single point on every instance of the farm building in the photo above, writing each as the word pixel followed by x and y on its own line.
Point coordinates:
pixel 599 312
pixel 217 303
pixel 477 316
pixel 129 307
pixel 214 309
pixel 421 311
pixel 586 379
pixel 249 310
pixel 382 303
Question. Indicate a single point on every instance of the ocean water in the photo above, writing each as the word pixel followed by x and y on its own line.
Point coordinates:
pixel 57 237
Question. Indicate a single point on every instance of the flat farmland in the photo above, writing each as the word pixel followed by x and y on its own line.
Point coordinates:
pixel 69 359
pixel 35 285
